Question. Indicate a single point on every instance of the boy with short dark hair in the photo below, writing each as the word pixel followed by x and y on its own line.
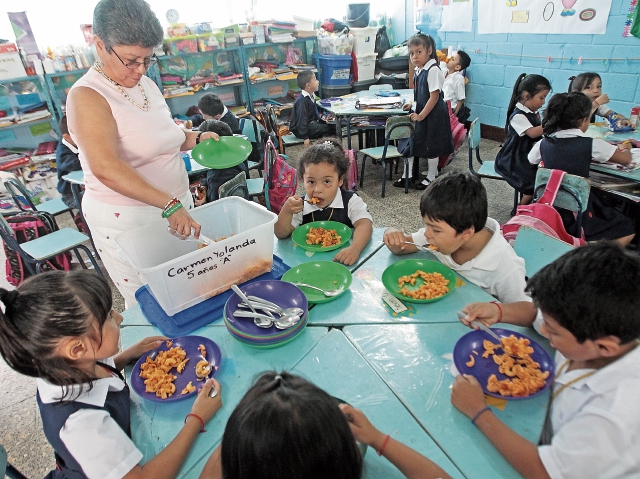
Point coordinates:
pixel 454 83
pixel 212 108
pixel 460 234
pixel 590 304
pixel 305 120
pixel 66 162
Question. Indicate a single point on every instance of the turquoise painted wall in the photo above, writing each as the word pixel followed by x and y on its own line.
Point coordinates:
pixel 491 76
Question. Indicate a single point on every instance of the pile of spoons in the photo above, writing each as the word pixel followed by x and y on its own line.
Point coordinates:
pixel 265 313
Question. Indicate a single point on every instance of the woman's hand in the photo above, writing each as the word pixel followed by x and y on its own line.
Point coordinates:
pixel 204 406
pixel 209 134
pixel 182 222
pixel 467 396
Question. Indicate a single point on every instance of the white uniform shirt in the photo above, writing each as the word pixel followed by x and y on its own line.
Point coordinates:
pixel 357 209
pixel 596 423
pixel 520 123
pixel 603 111
pixel 435 78
pixel 92 436
pixel 601 151
pixel 453 88
pixel 497 269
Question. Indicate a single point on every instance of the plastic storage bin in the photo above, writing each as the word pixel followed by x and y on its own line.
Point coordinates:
pixel 180 275
pixel 188 44
pixel 335 91
pixel 366 66
pixel 363 85
pixel 336 69
pixel 335 44
pixel 364 40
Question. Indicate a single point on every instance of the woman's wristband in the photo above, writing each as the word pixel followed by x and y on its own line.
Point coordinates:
pixel 384 445
pixel 499 310
pixel 202 429
pixel 171 210
pixel 198 137
pixel 479 413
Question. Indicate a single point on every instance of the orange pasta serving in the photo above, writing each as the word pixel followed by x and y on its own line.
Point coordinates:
pixel 156 372
pixel 525 376
pixel 434 285
pixel 324 237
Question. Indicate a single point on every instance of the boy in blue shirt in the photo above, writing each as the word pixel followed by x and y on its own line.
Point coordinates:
pixel 305 120
pixel 590 304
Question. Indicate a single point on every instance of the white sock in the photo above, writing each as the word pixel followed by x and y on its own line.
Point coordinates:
pixel 433 168
pixel 410 168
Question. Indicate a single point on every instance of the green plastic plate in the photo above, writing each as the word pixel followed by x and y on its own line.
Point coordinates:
pixel 229 151
pixel 409 266
pixel 299 235
pixel 323 274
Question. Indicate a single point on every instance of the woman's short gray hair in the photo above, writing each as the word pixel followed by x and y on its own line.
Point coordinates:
pixel 126 22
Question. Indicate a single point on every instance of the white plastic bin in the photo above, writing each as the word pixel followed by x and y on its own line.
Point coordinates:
pixel 180 275
pixel 366 66
pixel 303 24
pixel 364 40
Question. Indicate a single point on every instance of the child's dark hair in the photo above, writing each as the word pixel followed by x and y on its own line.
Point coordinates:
pixel 285 426
pixel 216 126
pixel 426 41
pixel 210 104
pixel 465 59
pixel 531 84
pixel 582 81
pixel 592 291
pixel 62 125
pixel 45 309
pixel 325 150
pixel 304 77
pixel 565 111
pixel 458 199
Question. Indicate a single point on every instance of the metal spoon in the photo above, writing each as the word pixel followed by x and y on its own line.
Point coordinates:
pixel 488 330
pixel 281 311
pixel 284 322
pixel 260 322
pixel 421 248
pixel 202 239
pixel 329 294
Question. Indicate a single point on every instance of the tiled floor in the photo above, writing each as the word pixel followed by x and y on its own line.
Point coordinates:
pixel 20 424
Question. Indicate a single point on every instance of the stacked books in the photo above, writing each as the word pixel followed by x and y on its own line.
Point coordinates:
pixel 280 31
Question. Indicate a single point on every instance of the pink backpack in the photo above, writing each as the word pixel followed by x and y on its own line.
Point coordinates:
pixel 282 180
pixel 351 182
pixel 542 216
pixel 458 132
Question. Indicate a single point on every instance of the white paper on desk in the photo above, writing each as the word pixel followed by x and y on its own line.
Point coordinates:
pixel 634 165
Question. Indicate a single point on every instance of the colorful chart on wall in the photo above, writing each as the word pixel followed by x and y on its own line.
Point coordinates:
pixel 457 16
pixel 568 17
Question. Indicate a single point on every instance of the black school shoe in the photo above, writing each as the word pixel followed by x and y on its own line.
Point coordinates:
pixel 422 185
pixel 399 183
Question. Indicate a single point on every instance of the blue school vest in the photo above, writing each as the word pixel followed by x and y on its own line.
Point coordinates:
pixel 572 155
pixel 54 416
pixel 341 215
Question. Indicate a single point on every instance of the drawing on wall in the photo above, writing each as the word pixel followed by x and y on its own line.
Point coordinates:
pixel 539 16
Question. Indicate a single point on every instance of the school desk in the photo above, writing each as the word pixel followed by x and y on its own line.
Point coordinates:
pixel 415 361
pixel 346 110
pixel 610 136
pixel 362 304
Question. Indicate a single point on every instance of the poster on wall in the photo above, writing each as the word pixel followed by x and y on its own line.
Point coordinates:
pixel 543 16
pixel 457 16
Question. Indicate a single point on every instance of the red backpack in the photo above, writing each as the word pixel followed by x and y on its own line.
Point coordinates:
pixel 282 180
pixel 542 216
pixel 458 133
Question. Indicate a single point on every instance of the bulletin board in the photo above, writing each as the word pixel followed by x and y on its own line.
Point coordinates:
pixel 543 16
pixel 457 16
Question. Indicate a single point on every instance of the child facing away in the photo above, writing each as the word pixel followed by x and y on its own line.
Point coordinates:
pixel 285 426
pixel 66 162
pixel 323 169
pixel 217 177
pixel 590 304
pixel 462 236
pixel 454 82
pixel 212 108
pixel 590 84
pixel 59 328
pixel 432 130
pixel 305 121
pixel 523 130
pixel 565 147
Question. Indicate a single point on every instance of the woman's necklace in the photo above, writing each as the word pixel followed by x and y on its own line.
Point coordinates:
pixel 144 107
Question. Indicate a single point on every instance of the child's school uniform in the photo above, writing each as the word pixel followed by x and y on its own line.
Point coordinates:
pixel 227 117
pixel 593 425
pixel 305 120
pixel 602 111
pixel 66 162
pixel 498 270
pixel 355 210
pixel 453 87
pixel 91 434
pixel 572 151
pixel 511 161
pixel 431 136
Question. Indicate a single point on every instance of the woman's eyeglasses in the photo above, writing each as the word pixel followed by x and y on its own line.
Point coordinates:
pixel 134 65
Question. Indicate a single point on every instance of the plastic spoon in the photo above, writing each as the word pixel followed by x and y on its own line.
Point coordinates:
pixel 329 294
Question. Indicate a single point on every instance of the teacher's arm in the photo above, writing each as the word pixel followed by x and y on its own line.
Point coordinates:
pixel 192 138
pixel 93 127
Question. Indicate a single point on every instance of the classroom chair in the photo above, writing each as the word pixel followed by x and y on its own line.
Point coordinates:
pixel 23 200
pixel 290 140
pixel 538 249
pixel 251 129
pixel 258 187
pixel 487 168
pixel 396 128
pixel 236 186
pixel 6 469
pixel 36 252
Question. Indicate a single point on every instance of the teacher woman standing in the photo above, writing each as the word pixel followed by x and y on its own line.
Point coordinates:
pixel 129 146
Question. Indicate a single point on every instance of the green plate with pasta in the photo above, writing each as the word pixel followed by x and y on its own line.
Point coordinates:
pixel 407 268
pixel 301 236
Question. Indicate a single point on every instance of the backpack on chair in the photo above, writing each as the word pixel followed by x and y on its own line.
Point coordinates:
pixel 542 216
pixel 282 178
pixel 458 134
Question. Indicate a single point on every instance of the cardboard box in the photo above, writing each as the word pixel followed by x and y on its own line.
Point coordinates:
pixel 10 62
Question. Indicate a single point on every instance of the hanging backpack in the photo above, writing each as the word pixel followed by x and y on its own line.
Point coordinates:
pixel 282 180
pixel 458 133
pixel 351 182
pixel 28 226
pixel 542 216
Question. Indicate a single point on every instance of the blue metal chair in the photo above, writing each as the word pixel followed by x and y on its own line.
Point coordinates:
pixel 6 469
pixel 21 197
pixel 538 249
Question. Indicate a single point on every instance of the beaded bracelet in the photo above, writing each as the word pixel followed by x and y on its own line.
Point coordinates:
pixel 171 210
pixel 202 429
pixel 499 309
pixel 481 411
pixel 384 444
pixel 170 203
